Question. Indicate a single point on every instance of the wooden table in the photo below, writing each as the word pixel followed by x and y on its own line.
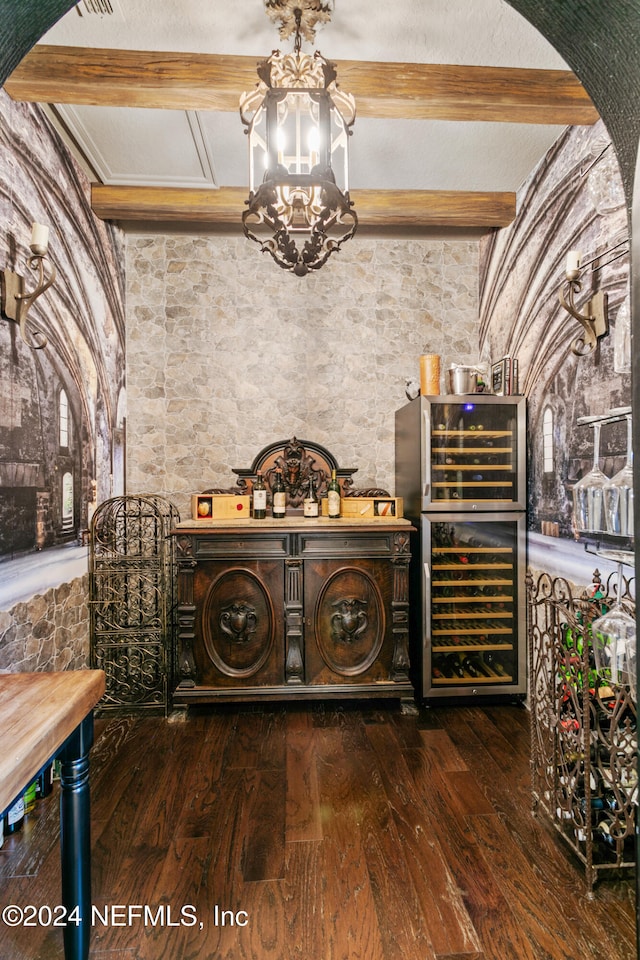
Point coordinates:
pixel 43 715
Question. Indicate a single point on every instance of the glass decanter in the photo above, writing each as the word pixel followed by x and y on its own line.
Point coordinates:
pixel 588 492
pixel 614 639
pixel 618 494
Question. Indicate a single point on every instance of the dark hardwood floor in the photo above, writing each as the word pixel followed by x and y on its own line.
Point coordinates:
pixel 319 832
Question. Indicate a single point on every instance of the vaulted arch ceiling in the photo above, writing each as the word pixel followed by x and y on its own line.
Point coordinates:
pixel 440 141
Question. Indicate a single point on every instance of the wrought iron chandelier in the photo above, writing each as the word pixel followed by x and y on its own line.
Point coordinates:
pixel 298 123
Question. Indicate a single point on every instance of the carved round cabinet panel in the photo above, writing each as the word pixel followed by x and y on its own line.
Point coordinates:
pixel 349 622
pixel 238 623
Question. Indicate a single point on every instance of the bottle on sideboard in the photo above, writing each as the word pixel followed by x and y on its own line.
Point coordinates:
pixel 310 506
pixel 259 498
pixel 333 497
pixel 279 497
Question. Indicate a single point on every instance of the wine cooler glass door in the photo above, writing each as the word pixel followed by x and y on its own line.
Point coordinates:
pixel 476 454
pixel 473 606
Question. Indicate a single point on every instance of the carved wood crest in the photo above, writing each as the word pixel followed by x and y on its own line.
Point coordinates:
pixel 297 460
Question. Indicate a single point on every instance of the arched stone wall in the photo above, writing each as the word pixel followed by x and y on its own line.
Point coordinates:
pixel 82 317
pixel 574 200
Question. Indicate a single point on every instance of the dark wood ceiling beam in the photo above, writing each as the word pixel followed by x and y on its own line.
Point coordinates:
pixel 188 81
pixel 420 209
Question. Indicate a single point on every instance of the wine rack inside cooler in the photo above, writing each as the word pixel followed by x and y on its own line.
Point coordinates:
pixel 475 453
pixel 474 609
pixel 461 453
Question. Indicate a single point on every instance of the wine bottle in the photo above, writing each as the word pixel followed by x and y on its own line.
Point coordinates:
pixel 44 783
pixel 454 664
pixel 310 504
pixel 495 664
pixel 30 797
pixel 259 498
pixel 469 666
pixel 279 501
pixel 440 667
pixel 480 668
pixel 333 497
pixel 14 817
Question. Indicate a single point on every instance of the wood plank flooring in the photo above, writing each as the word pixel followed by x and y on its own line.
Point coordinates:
pixel 319 832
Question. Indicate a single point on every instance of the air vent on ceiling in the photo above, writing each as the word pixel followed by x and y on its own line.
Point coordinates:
pixel 103 8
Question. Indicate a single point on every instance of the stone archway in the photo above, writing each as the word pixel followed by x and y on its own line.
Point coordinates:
pixel 599 41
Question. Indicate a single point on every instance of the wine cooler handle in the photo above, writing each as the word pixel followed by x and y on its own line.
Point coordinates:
pixel 426 610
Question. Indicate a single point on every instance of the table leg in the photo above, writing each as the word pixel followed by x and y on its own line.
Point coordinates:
pixel 75 838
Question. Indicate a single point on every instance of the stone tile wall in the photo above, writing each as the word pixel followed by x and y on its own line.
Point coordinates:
pixel 50 631
pixel 227 353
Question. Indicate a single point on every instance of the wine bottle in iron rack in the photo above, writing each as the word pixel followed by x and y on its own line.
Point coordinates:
pixel 259 498
pixel 278 493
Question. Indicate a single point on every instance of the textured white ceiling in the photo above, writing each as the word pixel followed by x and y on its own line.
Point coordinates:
pixel 424 31
pixel 174 148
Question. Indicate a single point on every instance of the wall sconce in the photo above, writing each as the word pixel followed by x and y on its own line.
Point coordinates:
pixel 595 321
pixel 15 302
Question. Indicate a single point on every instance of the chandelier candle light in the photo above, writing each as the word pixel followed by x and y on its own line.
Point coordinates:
pixel 298 123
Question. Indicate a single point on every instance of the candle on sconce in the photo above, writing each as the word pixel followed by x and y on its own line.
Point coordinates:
pixel 572 268
pixel 39 238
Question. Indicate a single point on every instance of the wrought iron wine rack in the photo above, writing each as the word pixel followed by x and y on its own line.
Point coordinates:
pixel 132 601
pixel 583 729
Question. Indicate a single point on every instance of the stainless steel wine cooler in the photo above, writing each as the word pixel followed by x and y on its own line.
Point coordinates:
pixel 461 471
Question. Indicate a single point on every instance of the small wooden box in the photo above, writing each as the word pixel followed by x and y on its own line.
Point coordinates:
pixel 220 506
pixel 368 508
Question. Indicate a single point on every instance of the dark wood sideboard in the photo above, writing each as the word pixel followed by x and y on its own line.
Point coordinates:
pixel 282 609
